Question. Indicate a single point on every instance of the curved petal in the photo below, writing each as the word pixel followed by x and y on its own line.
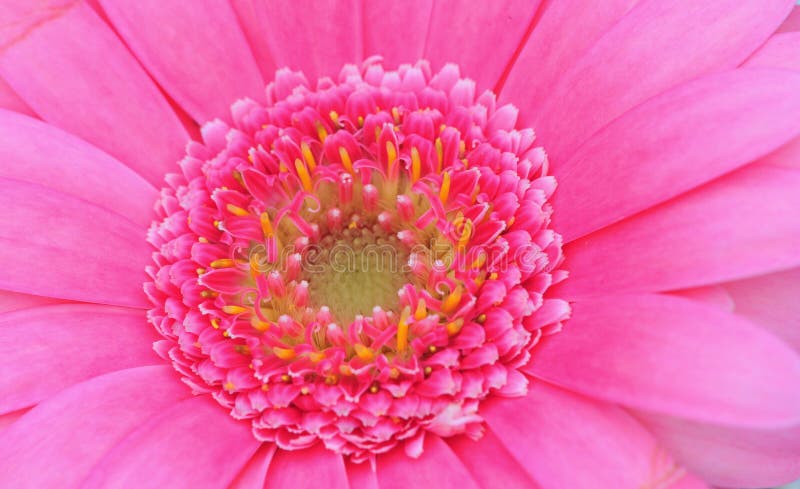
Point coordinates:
pixel 199 55
pixel 672 143
pixel 315 37
pixel 657 45
pixel 305 469
pixel 13 301
pixel 741 225
pixel 57 443
pixel 253 15
pixel 10 100
pixel 553 48
pixel 39 153
pixel 56 245
pixel 730 457
pixel 8 419
pixel 45 349
pixel 490 463
pixel 771 301
pixel 712 295
pixel 501 24
pixel 792 22
pixel 781 51
pixel 437 467
pixel 564 440
pixel 194 443
pixel 254 473
pixel 674 356
pixel 396 30
pixel 74 72
pixel 361 476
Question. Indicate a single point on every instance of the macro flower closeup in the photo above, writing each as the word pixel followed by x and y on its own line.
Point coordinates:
pixel 358 244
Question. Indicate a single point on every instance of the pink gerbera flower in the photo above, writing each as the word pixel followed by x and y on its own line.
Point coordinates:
pixel 525 244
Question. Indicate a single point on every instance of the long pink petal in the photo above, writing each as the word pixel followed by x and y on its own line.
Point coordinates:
pixel 657 45
pixel 14 301
pixel 781 51
pixel 553 48
pixel 315 37
pixel 674 356
pixel 731 456
pixel 307 469
pixel 10 100
pixel 254 474
pixel 45 349
pixel 712 295
pixel 36 152
pixel 437 467
pixel 480 37
pixel 566 441
pixel 361 476
pixel 58 442
pixel 490 463
pixel 194 443
pixel 674 142
pixel 792 22
pixel 741 225
pixel 771 301
pixel 197 53
pixel 253 15
pixel 56 245
pixel 8 419
pixel 74 72
pixel 396 30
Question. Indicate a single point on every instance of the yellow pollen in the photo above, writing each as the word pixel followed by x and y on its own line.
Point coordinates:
pixel 285 378
pixel 402 329
pixel 208 293
pixel 481 319
pixel 432 348
pixel 444 190
pixel 454 327
pixel 265 387
pixel 321 132
pixel 200 271
pixel 462 148
pixel 233 309
pixel 229 386
pixel 374 389
pixel 511 221
pixel 226 334
pixel 428 370
pixel 259 324
pixel 236 211
pixel 304 390
pixel 360 121
pixel 439 154
pixel 284 353
pixel 493 276
pixel 222 263
pixel 346 162
pixel 480 260
pixel 466 234
pixel 394 373
pixel 215 323
pixel 396 115
pixel 302 172
pixel 238 177
pixel 308 156
pixel 452 301
pixel 391 155
pixel 422 311
pixel 416 165
pixel 202 239
pixel 345 370
pixel 334 117
pixel 363 352
pixel 266 225
pixel 316 356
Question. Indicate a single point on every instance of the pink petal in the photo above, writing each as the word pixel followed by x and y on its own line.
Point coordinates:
pixel 490 463
pixel 771 301
pixel 781 51
pixel 254 473
pixel 712 295
pixel 11 101
pixel 670 355
pixel 13 301
pixel 253 15
pixel 8 419
pixel 566 441
pixel 553 48
pixel 657 45
pixel 792 22
pixel 741 225
pixel 731 456
pixel 396 30
pixel 306 469
pixel 73 71
pixel 437 467
pixel 788 156
pixel 58 442
pixel 672 143
pixel 315 37
pixel 361 476
pixel 480 37
pixel 60 246
pixel 199 55
pixel 39 153
pixel 195 443
pixel 45 349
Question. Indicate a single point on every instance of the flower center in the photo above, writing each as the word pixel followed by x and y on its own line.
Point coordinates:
pixel 357 264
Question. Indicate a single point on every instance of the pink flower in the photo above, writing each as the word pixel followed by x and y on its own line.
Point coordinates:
pixel 374 274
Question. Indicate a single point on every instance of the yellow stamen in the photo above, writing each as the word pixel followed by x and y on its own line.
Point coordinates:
pixel 391 155
pixel 481 319
pixel 480 260
pixel 346 162
pixel 452 301
pixel 259 324
pixel 402 329
pixel 229 386
pixel 466 234
pixel 236 211
pixel 284 353
pixel 234 309
pixel 200 271
pixel 396 115
pixel 238 177
pixel 334 117
pixel 444 190
pixel 308 156
pixel 363 352
pixel 454 327
pixel 316 356
pixel 416 165
pixel 222 263
pixel 439 154
pixel 266 225
pixel 422 311
pixel 202 239
pixel 215 323
pixel 302 172
pixel 321 132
